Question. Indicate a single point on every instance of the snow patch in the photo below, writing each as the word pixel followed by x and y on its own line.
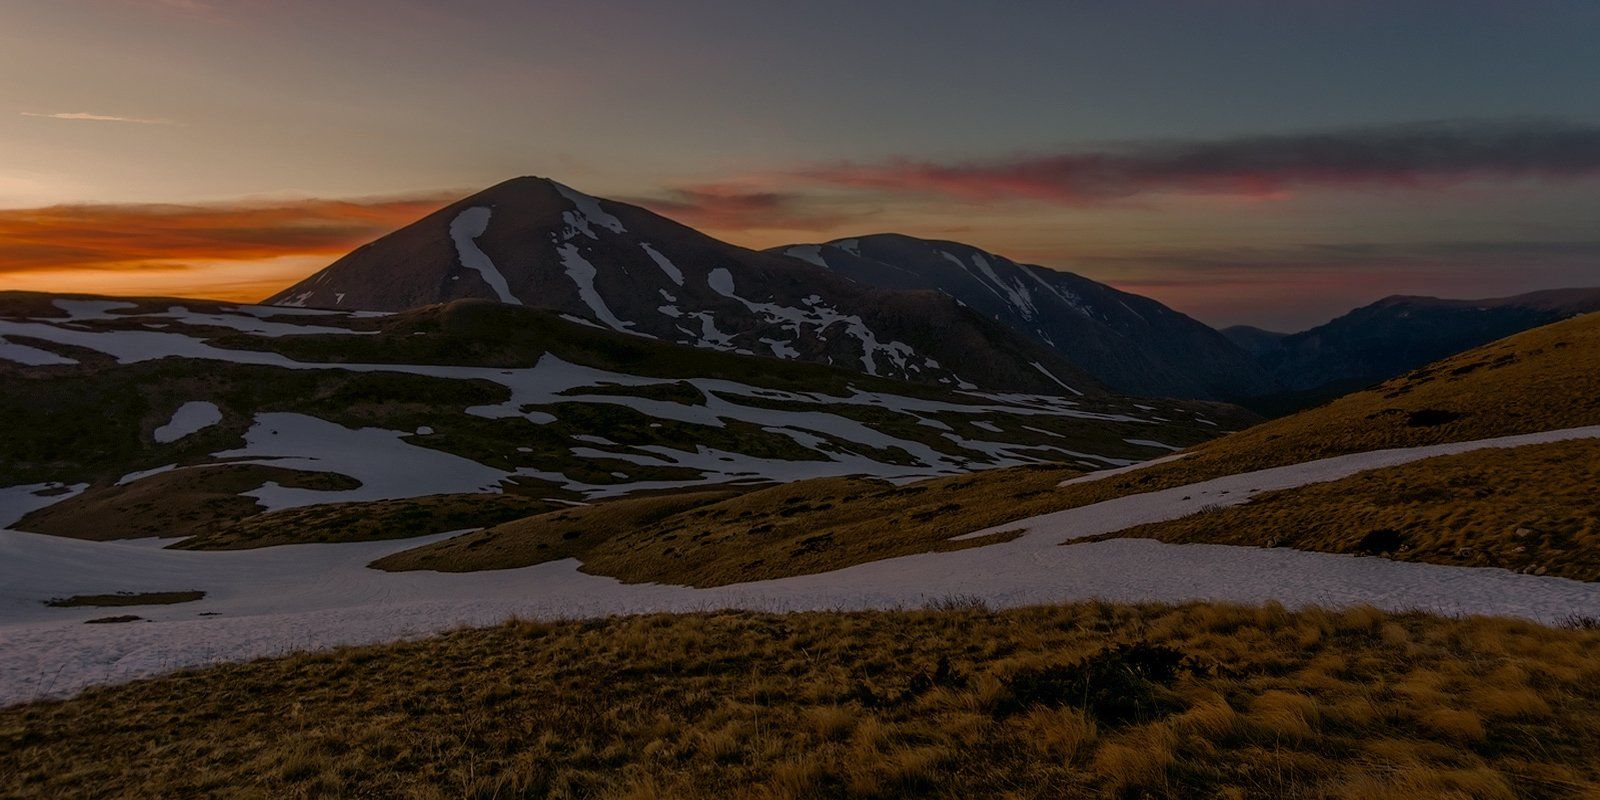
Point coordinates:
pixel 666 265
pixel 588 211
pixel 191 417
pixel 1052 376
pixel 807 252
pixel 464 231
pixel 31 356
pixel 583 274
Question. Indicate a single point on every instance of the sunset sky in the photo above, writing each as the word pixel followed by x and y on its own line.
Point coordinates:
pixel 1273 162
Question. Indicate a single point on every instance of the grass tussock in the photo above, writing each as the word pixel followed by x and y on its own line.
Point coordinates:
pixel 1235 702
pixel 1531 509
pixel 717 538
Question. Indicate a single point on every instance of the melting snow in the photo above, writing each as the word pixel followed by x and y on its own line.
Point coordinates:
pixel 30 356
pixel 588 211
pixel 1052 376
pixel 385 464
pixel 583 274
pixel 191 417
pixel 807 252
pixel 276 599
pixel 666 265
pixel 464 230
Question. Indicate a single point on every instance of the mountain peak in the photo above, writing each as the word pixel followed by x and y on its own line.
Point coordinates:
pixel 538 242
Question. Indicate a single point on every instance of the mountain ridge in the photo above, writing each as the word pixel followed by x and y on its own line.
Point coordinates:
pixel 534 241
pixel 1133 344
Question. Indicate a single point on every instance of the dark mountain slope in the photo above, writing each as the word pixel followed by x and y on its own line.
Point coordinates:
pixel 1397 334
pixel 1131 343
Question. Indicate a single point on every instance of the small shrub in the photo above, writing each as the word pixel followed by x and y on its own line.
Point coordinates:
pixel 1116 686
pixel 1380 542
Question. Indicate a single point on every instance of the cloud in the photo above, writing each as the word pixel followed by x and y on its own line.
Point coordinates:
pixel 735 207
pixel 136 237
pixel 100 118
pixel 1418 155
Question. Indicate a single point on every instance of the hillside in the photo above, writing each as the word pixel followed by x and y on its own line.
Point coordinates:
pixel 1455 509
pixel 1530 509
pixel 1084 701
pixel 1399 334
pixel 168 417
pixel 1544 379
pixel 1133 344
pixel 536 242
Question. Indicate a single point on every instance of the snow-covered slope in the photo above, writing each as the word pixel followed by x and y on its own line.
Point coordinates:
pixel 1132 344
pixel 479 397
pixel 536 242
pixel 263 602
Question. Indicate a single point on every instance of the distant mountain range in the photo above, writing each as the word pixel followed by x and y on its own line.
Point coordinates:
pixel 1391 337
pixel 1133 344
pixel 889 305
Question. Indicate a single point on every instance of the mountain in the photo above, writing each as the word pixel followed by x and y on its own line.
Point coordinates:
pixel 1257 342
pixel 536 242
pixel 1397 334
pixel 249 425
pixel 1525 503
pixel 1132 344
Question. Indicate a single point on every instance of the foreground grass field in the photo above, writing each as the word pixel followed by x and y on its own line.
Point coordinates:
pixel 1531 509
pixel 1075 701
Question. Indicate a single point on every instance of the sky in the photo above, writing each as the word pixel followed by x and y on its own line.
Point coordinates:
pixel 1266 162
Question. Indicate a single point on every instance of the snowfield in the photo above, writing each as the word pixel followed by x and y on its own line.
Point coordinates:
pixel 551 380
pixel 277 600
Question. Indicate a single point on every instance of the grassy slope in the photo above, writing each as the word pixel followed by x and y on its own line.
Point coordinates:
pixel 1544 379
pixel 362 522
pixel 1540 380
pixel 794 529
pixel 177 503
pixel 1532 509
pixel 958 703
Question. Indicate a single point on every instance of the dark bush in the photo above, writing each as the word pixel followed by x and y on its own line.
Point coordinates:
pixel 1430 417
pixel 1380 542
pixel 1117 686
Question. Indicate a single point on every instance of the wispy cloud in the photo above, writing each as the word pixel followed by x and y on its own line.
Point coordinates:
pixel 733 207
pixel 133 237
pixel 1420 155
pixel 82 116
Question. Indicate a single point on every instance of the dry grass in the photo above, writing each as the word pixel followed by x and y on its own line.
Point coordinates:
pixel 1544 379
pixel 206 504
pixel 125 599
pixel 177 503
pixel 1531 509
pixel 714 539
pixel 364 522
pixel 1260 703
